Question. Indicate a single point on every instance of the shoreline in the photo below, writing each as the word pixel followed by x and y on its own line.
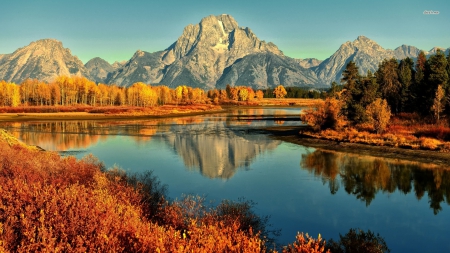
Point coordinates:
pixel 5 117
pixel 291 135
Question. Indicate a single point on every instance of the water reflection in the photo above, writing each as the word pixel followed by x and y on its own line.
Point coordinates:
pixel 217 152
pixel 216 146
pixel 365 176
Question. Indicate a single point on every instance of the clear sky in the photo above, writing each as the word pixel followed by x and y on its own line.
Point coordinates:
pixel 114 30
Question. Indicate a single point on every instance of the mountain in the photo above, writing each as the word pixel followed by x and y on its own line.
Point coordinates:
pixel 266 70
pixel 405 51
pixel 142 67
pixel 98 69
pixel 366 53
pixel 201 56
pixel 308 62
pixel 43 59
pixel 211 54
pixel 117 64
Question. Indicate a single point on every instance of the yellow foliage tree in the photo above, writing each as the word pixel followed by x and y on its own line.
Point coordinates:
pixel 280 91
pixel 327 115
pixel 379 114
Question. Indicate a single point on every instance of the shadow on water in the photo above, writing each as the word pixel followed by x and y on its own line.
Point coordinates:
pixel 365 176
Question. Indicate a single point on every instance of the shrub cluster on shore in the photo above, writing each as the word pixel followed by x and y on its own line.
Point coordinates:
pixel 50 203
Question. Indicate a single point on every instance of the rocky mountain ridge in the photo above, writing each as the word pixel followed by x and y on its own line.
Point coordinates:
pixel 43 59
pixel 213 53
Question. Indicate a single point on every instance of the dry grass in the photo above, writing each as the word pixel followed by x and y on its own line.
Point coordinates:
pixel 306 102
pixel 406 130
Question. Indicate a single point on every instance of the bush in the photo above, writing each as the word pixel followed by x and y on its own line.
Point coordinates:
pixel 306 245
pixel 249 222
pixel 428 143
pixel 327 115
pixel 379 114
pixel 357 241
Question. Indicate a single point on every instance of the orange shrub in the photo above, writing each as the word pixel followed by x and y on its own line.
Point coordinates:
pixel 306 244
pixel 428 143
pixel 49 203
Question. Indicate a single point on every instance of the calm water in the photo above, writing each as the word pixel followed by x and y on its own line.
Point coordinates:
pixel 301 188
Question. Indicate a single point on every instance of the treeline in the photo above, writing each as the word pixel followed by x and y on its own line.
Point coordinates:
pixel 396 87
pixel 298 92
pixel 77 90
pixel 422 87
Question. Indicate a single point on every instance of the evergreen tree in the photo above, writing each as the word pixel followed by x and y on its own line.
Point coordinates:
pixel 334 89
pixel 447 87
pixel 352 92
pixel 406 73
pixel 417 88
pixel 390 86
pixel 435 74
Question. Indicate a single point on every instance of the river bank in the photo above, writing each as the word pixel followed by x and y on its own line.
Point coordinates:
pixel 292 135
pixel 112 113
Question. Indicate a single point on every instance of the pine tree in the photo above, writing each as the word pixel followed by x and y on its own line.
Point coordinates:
pixel 417 88
pixel 406 73
pixel 352 92
pixel 390 86
pixel 435 74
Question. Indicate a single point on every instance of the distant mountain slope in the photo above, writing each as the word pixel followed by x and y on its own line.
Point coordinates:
pixel 142 67
pixel 43 59
pixel 98 69
pixel 366 53
pixel 308 62
pixel 266 70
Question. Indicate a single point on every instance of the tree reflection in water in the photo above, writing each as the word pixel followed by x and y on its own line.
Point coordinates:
pixel 365 176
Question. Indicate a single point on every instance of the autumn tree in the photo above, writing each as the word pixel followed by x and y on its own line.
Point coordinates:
pixel 438 103
pixel 223 95
pixel 9 94
pixel 234 93
pixel 279 91
pixel 327 115
pixel 259 94
pixel 379 114
pixel 178 94
pixel 242 93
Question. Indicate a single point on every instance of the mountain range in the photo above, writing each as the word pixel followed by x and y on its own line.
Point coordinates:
pixel 210 54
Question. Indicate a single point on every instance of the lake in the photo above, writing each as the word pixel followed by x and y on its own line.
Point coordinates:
pixel 301 188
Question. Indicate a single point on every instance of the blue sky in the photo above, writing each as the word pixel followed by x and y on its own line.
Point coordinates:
pixel 114 30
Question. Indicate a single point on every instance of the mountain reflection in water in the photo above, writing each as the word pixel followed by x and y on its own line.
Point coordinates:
pixel 217 152
pixel 212 147
pixel 365 176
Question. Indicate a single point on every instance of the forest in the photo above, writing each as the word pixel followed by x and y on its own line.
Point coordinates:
pixel 75 90
pixel 402 104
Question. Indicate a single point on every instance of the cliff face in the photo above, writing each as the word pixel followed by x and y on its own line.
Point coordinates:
pixel 44 60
